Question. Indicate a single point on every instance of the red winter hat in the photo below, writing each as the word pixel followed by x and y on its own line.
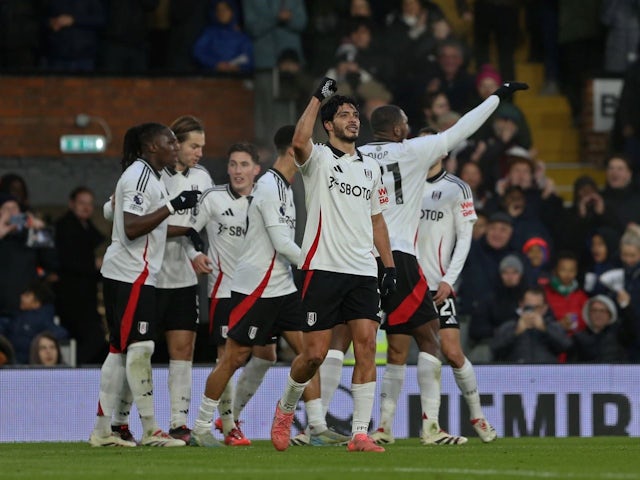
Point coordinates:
pixel 488 71
pixel 539 241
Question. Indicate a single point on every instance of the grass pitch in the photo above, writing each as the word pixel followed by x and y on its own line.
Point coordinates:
pixel 600 458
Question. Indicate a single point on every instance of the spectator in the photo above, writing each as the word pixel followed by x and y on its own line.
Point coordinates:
pixel 273 27
pixel 629 296
pixel 20 261
pixel 532 335
pixel 77 288
pixel 499 307
pixel 434 105
pixel 126 36
pixel 480 275
pixel 497 19
pixel 16 186
pixel 565 297
pixel 73 31
pixel 223 47
pixel 581 218
pixel 480 227
pixel 536 251
pixel 35 316
pixel 470 172
pixel 603 340
pixel 514 203
pixel 621 198
pixel 452 77
pixel 487 80
pixel 20 34
pixel 542 201
pixel 622 19
pixel 603 252
pixel 348 73
pixel 292 84
pixel 45 350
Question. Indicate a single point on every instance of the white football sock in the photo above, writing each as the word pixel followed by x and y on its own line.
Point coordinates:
pixel 179 391
pixel 140 379
pixel 330 375
pixel 429 369
pixel 468 385
pixel 121 414
pixel 112 378
pixel 315 418
pixel 248 383
pixel 392 382
pixel 363 395
pixel 224 408
pixel 205 415
pixel 291 395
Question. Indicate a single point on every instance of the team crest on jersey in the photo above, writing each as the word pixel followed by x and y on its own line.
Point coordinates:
pixel 253 332
pixel 368 173
pixel 312 318
pixel 223 331
pixel 137 199
pixel 436 195
pixel 143 327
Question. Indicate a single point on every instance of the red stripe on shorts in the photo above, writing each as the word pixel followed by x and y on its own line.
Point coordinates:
pixel 307 281
pixel 245 305
pixel 130 311
pixel 410 304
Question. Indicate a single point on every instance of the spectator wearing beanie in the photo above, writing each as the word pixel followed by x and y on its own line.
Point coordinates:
pixel 536 251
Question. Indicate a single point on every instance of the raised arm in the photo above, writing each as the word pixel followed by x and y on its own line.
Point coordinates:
pixel 301 141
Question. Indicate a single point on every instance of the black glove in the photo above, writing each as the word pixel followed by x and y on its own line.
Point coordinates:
pixel 388 282
pixel 507 89
pixel 326 88
pixel 186 199
pixel 196 239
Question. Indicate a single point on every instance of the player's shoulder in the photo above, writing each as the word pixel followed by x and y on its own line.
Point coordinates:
pixel 139 175
pixel 457 184
pixel 200 171
pixel 216 192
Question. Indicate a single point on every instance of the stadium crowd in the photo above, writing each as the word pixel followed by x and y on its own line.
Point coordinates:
pixel 406 53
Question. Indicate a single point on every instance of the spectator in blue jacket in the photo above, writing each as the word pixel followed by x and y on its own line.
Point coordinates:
pixel 36 315
pixel 222 46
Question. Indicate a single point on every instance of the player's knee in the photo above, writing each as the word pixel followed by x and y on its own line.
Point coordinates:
pixel 453 354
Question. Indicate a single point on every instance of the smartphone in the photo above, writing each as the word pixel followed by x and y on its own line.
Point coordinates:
pixel 19 220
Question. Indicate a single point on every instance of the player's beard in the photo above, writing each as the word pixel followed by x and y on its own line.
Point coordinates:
pixel 343 135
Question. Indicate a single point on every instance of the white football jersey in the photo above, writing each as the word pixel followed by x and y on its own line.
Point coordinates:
pixel 139 191
pixel 261 270
pixel 223 212
pixel 447 204
pixel 342 192
pixel 176 271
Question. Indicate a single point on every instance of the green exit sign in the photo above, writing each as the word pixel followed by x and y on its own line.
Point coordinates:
pixel 82 143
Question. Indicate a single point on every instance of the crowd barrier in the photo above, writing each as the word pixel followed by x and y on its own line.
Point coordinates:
pixel 519 400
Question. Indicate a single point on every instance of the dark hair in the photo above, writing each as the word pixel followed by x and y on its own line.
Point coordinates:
pixel 354 23
pixel 5 186
pixel 7 353
pixel 330 108
pixel 621 156
pixel 567 255
pixel 536 290
pixel 78 190
pixel 283 138
pixel 384 118
pixel 34 356
pixel 136 141
pixel 184 125
pixel 41 291
pixel 247 147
